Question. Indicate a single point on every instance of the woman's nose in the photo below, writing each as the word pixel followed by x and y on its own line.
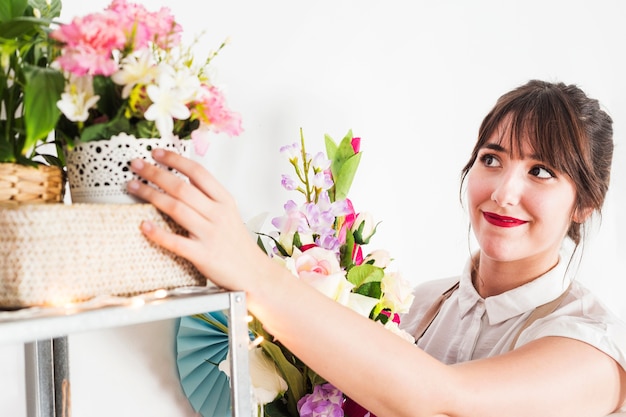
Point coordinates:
pixel 507 188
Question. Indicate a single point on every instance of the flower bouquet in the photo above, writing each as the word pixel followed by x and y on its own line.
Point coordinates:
pixel 321 241
pixel 127 72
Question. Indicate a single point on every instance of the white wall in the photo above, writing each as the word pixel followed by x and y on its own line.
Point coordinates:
pixel 413 79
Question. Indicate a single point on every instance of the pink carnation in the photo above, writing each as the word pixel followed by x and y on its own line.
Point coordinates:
pixel 158 27
pixel 212 110
pixel 89 43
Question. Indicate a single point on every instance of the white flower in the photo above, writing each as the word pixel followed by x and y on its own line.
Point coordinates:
pixel 78 98
pixel 292 152
pixel 381 258
pixel 362 304
pixel 320 162
pixel 188 85
pixel 266 381
pixel 364 227
pixel 135 69
pixel 168 103
pixel 322 180
pixel 394 328
pixel 397 292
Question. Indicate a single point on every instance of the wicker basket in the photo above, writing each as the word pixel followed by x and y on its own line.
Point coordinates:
pixel 52 254
pixel 25 184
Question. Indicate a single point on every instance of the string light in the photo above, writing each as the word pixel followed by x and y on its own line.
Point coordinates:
pixel 256 342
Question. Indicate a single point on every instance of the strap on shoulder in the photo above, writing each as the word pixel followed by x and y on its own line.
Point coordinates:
pixel 432 312
pixel 538 313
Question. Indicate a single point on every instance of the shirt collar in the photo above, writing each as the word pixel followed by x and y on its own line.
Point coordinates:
pixel 517 301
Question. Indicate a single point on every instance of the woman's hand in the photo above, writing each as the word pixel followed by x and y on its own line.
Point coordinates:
pixel 219 244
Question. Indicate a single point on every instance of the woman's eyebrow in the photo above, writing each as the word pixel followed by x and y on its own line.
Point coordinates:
pixel 495 147
pixel 499 148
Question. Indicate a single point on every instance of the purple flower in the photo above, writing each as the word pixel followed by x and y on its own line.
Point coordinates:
pixel 292 152
pixel 322 180
pixel 293 220
pixel 319 221
pixel 320 162
pixel 329 242
pixel 325 401
pixel 288 183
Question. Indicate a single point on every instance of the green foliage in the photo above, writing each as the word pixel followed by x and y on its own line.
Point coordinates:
pixel 29 88
pixel 290 373
pixel 344 165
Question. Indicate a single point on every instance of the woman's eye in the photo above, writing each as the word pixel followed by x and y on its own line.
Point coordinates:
pixel 541 172
pixel 489 160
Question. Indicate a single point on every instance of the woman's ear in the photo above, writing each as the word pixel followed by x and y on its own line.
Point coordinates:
pixel 581 214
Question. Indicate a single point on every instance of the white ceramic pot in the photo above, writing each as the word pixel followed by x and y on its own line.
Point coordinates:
pixel 98 171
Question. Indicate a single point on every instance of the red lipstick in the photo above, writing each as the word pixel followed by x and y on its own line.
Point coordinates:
pixel 502 221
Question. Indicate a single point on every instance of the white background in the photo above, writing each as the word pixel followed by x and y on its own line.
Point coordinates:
pixel 413 79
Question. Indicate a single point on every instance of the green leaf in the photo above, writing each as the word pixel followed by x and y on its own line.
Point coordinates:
pixel 103 131
pixel 365 273
pixel 290 373
pixel 42 91
pixel 280 248
pixel 346 250
pixel 6 153
pixel 344 163
pixel 10 9
pixel 47 11
pixel 214 323
pixel 257 329
pixel 345 176
pixel 276 408
pixel 110 103
pixel 20 27
pixel 331 147
pixel 53 161
pixel 370 289
pixel 358 234
pixel 314 378
pixel 260 244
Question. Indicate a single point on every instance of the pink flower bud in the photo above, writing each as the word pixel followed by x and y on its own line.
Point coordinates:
pixel 356 144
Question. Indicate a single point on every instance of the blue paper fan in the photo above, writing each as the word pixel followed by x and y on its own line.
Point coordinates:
pixel 200 347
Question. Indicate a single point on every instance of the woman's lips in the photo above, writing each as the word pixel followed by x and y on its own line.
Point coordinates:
pixel 502 221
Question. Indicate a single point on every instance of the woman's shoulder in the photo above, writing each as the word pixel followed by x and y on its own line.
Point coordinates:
pixel 425 294
pixel 583 316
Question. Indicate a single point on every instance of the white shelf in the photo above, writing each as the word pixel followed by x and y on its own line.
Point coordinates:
pixel 43 330
pixel 37 323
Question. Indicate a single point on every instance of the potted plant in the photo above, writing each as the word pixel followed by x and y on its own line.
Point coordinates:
pixel 130 89
pixel 29 89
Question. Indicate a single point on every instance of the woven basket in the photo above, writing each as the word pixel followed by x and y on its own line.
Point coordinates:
pixel 52 254
pixel 21 184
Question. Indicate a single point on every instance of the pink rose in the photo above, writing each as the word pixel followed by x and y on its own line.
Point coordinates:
pixel 320 268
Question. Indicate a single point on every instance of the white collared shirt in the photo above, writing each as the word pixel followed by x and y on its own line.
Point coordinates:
pixel 470 327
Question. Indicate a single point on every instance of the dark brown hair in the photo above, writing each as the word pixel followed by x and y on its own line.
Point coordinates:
pixel 567 130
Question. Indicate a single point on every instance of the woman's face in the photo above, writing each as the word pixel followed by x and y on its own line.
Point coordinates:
pixel 520 208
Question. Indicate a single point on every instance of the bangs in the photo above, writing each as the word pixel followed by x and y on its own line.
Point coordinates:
pixel 543 122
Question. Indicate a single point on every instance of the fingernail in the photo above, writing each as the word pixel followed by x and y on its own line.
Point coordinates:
pixel 133 185
pixel 158 153
pixel 146 226
pixel 137 163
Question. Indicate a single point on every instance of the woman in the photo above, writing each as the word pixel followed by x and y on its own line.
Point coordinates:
pixel 512 338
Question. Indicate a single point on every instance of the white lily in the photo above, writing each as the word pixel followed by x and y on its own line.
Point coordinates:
pixel 78 98
pixel 266 381
pixel 135 69
pixel 168 103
